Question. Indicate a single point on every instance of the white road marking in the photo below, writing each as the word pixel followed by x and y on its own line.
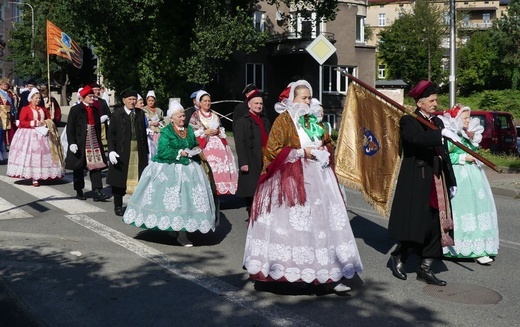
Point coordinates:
pixel 60 200
pixel 276 315
pixel 11 211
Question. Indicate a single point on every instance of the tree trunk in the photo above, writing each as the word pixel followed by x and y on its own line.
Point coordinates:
pixel 63 98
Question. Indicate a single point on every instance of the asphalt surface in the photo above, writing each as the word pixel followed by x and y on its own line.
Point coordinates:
pixel 14 312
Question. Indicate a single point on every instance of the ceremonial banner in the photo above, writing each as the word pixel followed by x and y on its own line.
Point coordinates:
pixel 60 44
pixel 368 152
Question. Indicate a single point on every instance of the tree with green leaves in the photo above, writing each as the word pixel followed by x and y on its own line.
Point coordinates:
pixel 476 65
pixel 505 36
pixel 21 47
pixel 411 47
pixel 171 47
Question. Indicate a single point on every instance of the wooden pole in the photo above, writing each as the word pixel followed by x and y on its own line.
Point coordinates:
pixel 426 123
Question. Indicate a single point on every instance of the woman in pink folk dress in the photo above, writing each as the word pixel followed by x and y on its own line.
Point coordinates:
pixel 212 139
pixel 36 151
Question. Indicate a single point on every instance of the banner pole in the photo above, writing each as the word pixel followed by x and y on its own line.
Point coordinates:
pixel 425 122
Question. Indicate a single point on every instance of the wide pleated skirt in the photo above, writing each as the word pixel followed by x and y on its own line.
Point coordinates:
pixel 311 243
pixel 172 197
pixel 222 163
pixel 474 215
pixel 30 157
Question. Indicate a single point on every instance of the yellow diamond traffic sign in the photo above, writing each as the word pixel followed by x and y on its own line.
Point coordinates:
pixel 321 49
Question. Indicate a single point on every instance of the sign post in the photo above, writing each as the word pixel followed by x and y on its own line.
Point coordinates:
pixel 321 49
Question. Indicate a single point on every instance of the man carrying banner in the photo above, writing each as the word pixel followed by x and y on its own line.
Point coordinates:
pixel 420 214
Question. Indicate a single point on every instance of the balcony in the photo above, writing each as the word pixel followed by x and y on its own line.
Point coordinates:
pixel 294 42
pixel 476 25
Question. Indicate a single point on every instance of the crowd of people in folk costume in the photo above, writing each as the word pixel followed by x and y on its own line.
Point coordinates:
pixel 176 163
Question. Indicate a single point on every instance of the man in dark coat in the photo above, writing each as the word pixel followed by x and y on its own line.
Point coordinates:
pixel 24 101
pixel 127 147
pixel 85 150
pixel 414 219
pixel 104 111
pixel 242 108
pixel 189 111
pixel 250 134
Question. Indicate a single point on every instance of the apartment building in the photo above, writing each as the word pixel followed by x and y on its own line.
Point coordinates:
pixel 472 16
pixel 284 58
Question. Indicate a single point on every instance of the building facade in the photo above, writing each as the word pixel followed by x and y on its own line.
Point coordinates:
pixel 471 16
pixel 285 59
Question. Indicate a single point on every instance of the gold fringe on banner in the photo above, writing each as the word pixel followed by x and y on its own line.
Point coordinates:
pixel 368 152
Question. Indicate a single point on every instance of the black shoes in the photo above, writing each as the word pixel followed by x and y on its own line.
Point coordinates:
pixel 80 195
pixel 425 273
pixel 99 196
pixel 119 211
pixel 397 267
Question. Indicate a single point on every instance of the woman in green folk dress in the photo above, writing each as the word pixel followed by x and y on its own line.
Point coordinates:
pixel 474 211
pixel 174 193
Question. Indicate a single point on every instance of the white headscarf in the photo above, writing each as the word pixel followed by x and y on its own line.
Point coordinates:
pixel 174 107
pixel 285 103
pixel 150 94
pixel 199 95
pixel 34 90
pixel 456 124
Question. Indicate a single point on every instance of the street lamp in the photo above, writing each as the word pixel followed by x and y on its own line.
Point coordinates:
pixel 32 21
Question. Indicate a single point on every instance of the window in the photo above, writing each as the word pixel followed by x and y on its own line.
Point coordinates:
pixel 381 71
pixel 306 26
pixel 446 17
pixel 334 82
pixel 466 20
pixel 360 29
pixel 259 21
pixel 255 75
pixel 331 119
pixel 486 17
pixel 382 19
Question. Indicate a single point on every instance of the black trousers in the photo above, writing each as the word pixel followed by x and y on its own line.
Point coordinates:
pixel 118 193
pixel 78 179
pixel 431 247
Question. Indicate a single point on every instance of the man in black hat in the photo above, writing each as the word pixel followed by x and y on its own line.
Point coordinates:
pixel 127 149
pixel 23 96
pixel 425 176
pixel 241 109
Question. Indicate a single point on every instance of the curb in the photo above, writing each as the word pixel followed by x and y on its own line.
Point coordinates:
pixel 505 192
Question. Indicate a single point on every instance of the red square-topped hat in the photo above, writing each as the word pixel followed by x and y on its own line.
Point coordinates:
pixel 86 90
pixel 423 90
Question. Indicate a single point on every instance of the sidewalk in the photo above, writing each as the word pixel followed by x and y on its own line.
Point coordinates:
pixel 506 183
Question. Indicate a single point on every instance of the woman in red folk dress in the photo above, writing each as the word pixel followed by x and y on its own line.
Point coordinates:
pixel 212 139
pixel 35 151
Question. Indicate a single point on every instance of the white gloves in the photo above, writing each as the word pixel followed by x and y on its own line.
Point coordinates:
pixel 149 131
pixel 112 156
pixel 103 118
pixel 17 123
pixel 73 148
pixel 450 134
pixel 453 191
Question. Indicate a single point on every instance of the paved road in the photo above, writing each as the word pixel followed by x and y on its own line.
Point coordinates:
pixel 67 262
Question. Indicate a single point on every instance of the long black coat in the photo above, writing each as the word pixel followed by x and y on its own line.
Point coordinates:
pixel 410 209
pixel 248 145
pixel 77 134
pixel 240 110
pixel 119 138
